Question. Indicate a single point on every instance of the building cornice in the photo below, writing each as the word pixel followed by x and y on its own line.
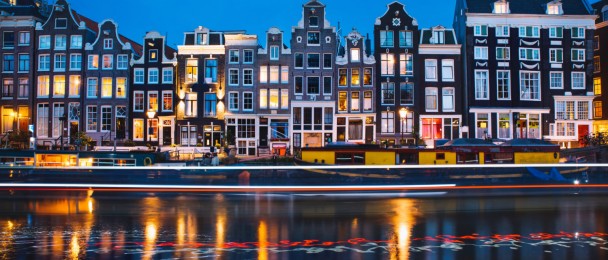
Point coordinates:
pixel 516 20
pixel 201 49
pixel 453 49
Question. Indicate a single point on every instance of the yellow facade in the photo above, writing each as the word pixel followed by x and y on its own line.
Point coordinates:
pixel 311 156
pixel 380 158
pixel 535 157
pixel 428 158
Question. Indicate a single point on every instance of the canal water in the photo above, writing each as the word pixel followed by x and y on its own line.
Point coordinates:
pixel 76 225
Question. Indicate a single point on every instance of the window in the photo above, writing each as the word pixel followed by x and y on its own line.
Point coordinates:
pixel 504 125
pixel 24 38
pixel 481 53
pixel 274 74
pixel 406 92
pixel 597 86
pixel 121 87
pixel 44 62
pixel 248 56
pixel 76 42
pixel 481 85
pixel 482 126
pixel 327 61
pixel 556 55
pixel 211 70
pixel 480 30
pixel 578 55
pixel 556 32
pixel 138 129
pixel 153 56
pixel 59 86
pixel 529 31
pixel 211 103
pixel 431 97
pixel 74 87
pixel 578 32
pixel 387 90
pixel 263 74
pixel 44 42
pixel 108 62
pixel 313 60
pixel 406 39
pixel 233 77
pixel 503 84
pixel 75 61
pixel 438 37
pixel 108 44
pixel 342 101
pixel 367 77
pixel 354 102
pixel 201 38
pixel 298 85
pixel 501 7
pixel 327 86
pixel 430 71
pixel 61 23
pixel 596 64
pixel 274 99
pixel 578 80
pixel 406 64
pixel 233 100
pixel 106 119
pixel 139 76
pixel 106 87
pixel 60 62
pixel 502 31
pixel 8 64
pixel 386 39
pixel 355 55
pixel 447 95
pixel 91 118
pixel 284 74
pixel 247 77
pixel 342 77
pixel 447 70
pixel 367 101
pixel 596 42
pixel 93 62
pixel 263 99
pixel 138 101
pixel 313 21
pixel 285 98
pixel 152 101
pixel 43 86
pixel 355 77
pixel 167 101
pixel 8 88
pixel 167 75
pixel 556 80
pixel 597 109
pixel 191 70
pixel 313 86
pixel 299 60
pixel 247 101
pixel 529 54
pixel 24 87
pixel 503 53
pixel 554 8
pixel 233 56
pixel 529 85
pixel 60 42
pixel 153 76
pixel 274 52
pixel 313 38
pixel 42 119
pixel 8 40
pixel 582 110
pixel 388 122
pixel 91 87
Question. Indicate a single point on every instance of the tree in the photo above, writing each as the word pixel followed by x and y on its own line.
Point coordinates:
pixel 82 139
pixel 21 138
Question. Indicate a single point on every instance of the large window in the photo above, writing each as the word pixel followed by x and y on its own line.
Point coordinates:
pixel 503 53
pixel 481 85
pixel 247 101
pixel 313 87
pixel 138 76
pixel 447 70
pixel 284 99
pixel 138 101
pixel 367 77
pixel 355 77
pixel 327 60
pixel 387 90
pixel 211 104
pixel 191 104
pixel 91 119
pixel 75 61
pixel 24 38
pixel 106 119
pixel 502 31
pixel 24 91
pixel 43 86
pixel 578 32
pixel 447 98
pixel 431 99
pixel 556 32
pixel 430 70
pixel 386 39
pixel 167 75
pixel 44 42
pixel 8 88
pixel 191 70
pixel 284 74
pixel 578 55
pixel 531 54
pixel 122 62
pixel 482 129
pixel 597 109
pixel 387 64
pixel 153 76
pixel 556 55
pixel 578 80
pixel 42 120
pixel 313 38
pixel 211 70
pixel 76 42
pixel 327 85
pixel 367 101
pixel 481 53
pixel 342 77
pixel 342 101
pixel 263 74
pixel 556 80
pixel 233 56
pixel 529 31
pixel 153 101
pixel 108 62
pixel 92 87
pixel 274 99
pixel 44 62
pixel 480 30
pixel 313 60
pixel 388 122
pixel 529 85
pixel 298 85
pixel 504 126
pixel 299 60
pixel 60 42
pixel 406 64
pixel 121 87
pixel 233 77
pixel 274 74
pixel 406 93
pixel 597 86
pixel 106 87
pixel 167 101
pixel 233 100
pixel 247 56
pixel 247 77
pixel 8 63
pixel 406 39
pixel 93 62
pixel 503 84
pixel 24 62
pixel 59 86
pixel 60 62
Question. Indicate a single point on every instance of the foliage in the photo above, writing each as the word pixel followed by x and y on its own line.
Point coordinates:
pixel 82 139
pixel 19 137
pixel 594 139
pixel 129 143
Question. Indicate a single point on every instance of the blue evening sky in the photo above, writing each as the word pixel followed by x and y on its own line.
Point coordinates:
pixel 174 17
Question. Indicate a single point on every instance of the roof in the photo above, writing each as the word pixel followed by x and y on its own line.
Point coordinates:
pixel 94 26
pixel 23 10
pixel 528 142
pixel 468 142
pixel 570 7
pixel 449 36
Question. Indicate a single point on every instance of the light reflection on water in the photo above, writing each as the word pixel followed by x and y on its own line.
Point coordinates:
pixel 287 227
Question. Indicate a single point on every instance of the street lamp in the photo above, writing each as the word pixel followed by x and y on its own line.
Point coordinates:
pixel 151 113
pixel 402 113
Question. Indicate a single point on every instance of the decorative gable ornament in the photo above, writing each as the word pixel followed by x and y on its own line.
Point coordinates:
pixel 396 21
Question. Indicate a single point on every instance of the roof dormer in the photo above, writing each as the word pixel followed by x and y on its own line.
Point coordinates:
pixel 501 7
pixel 555 7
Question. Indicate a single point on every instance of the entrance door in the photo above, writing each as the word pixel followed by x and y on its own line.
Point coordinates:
pixel 583 130
pixel 369 134
pixel 263 136
pixel 73 131
pixel 166 135
pixel 121 128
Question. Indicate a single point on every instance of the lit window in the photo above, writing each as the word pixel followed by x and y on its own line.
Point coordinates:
pixel 355 55
pixel 106 87
pixel 108 61
pixel 555 8
pixel 191 70
pixel 501 7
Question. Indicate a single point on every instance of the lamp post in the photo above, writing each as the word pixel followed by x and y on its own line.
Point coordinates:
pixel 402 114
pixel 151 113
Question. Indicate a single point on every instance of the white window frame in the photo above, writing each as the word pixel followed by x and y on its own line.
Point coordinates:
pixel 502 30
pixel 233 105
pixel 553 57
pixel 506 51
pixel 135 76
pixel 508 85
pixel 486 90
pixel 580 74
pixel 150 79
pixel 535 52
pixel 478 30
pixel 575 58
pixel 561 73
pixel 480 53
pixel 169 75
pixel 521 85
pixel 429 64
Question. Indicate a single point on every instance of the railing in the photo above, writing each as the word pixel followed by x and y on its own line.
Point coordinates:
pixel 107 136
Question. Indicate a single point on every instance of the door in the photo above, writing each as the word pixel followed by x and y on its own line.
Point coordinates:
pixel 167 135
pixel 583 130
pixel 73 131
pixel 121 128
pixel 263 136
pixel 369 134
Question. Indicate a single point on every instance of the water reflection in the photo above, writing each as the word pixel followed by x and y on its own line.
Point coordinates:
pixel 287 227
